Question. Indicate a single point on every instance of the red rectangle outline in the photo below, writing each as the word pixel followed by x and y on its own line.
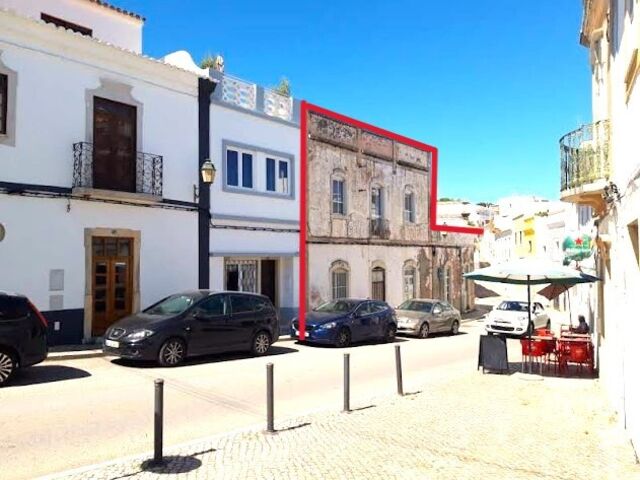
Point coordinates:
pixel 306 107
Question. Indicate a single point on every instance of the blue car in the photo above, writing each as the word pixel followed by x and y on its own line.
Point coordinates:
pixel 345 321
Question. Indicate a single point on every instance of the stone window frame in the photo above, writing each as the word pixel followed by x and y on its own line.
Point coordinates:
pixel 410 264
pixel 339 175
pixel 339 266
pixel 9 137
pixel 409 190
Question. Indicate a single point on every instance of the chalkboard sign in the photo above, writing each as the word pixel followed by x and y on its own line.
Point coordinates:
pixel 492 354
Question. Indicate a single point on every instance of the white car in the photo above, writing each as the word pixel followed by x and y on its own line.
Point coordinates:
pixel 511 317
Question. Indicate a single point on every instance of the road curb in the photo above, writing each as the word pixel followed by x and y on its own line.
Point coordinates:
pixel 53 356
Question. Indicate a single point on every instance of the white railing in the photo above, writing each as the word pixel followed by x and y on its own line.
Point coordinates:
pixel 239 92
pixel 277 105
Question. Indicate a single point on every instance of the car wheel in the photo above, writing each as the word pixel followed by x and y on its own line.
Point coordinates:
pixel 455 327
pixel 424 330
pixel 343 338
pixel 390 333
pixel 8 367
pixel 261 343
pixel 172 352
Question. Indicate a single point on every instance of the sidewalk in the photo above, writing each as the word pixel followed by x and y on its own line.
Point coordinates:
pixel 463 425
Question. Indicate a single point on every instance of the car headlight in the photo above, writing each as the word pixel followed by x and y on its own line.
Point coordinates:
pixel 138 335
pixel 328 325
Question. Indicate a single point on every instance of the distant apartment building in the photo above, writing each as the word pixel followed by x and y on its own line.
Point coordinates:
pixel 368 230
pixel 600 169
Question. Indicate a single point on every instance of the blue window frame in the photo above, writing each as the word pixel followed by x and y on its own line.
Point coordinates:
pixel 283 176
pixel 232 168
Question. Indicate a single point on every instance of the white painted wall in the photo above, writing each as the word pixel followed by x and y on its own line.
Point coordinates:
pixel 53 78
pixel 236 126
pixel 41 235
pixel 108 25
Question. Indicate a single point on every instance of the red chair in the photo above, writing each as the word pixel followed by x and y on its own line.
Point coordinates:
pixel 580 353
pixel 533 349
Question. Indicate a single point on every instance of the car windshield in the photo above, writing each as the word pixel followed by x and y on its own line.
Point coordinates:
pixel 513 306
pixel 337 306
pixel 173 305
pixel 416 306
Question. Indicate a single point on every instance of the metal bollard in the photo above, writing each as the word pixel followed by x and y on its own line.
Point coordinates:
pixel 399 371
pixel 157 421
pixel 270 428
pixel 346 407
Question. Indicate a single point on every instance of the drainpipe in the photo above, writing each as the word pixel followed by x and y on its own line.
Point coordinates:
pixel 205 89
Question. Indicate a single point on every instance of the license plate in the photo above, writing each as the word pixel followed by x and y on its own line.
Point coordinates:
pixel 112 344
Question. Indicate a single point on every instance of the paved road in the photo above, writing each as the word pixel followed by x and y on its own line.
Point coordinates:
pixel 66 414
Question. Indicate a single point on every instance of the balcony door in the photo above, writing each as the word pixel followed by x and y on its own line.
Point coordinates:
pixel 112 281
pixel 114 145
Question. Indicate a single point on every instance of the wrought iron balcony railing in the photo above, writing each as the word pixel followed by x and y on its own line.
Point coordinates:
pixel 379 227
pixel 584 155
pixel 147 172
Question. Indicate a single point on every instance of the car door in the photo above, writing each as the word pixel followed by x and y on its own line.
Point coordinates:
pixel 208 325
pixel 245 318
pixel 361 322
pixel 438 316
pixel 20 328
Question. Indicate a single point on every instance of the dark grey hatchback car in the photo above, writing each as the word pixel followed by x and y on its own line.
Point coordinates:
pixel 195 323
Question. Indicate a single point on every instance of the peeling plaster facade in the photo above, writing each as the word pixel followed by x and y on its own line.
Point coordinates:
pixel 386 250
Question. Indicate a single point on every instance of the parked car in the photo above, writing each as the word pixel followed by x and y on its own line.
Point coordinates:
pixel 195 323
pixel 512 317
pixel 423 316
pixel 344 321
pixel 23 335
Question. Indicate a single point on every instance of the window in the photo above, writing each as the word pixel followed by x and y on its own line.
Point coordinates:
pixel 337 195
pixel 245 304
pixel 377 283
pixel 239 168
pixel 4 93
pixel 241 275
pixel 446 284
pixel 13 308
pixel 376 202
pixel 409 208
pixel 409 282
pixel 277 183
pixel 339 284
pixel 213 306
pixel 65 24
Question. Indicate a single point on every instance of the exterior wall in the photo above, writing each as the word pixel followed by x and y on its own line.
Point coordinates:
pixel 59 115
pixel 364 161
pixel 107 24
pixel 254 225
pixel 47 223
pixel 43 234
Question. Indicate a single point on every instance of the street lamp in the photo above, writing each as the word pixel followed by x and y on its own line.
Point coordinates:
pixel 208 174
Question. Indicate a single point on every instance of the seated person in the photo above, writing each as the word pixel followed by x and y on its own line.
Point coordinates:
pixel 582 327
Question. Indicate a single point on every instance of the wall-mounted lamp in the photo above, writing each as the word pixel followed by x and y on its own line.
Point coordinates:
pixel 208 173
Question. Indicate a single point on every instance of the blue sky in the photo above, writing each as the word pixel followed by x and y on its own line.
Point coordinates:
pixel 493 84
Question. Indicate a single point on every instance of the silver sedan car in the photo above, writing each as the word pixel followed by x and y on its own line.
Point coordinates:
pixel 422 316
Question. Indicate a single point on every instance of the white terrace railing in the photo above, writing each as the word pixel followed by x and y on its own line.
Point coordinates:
pixel 250 96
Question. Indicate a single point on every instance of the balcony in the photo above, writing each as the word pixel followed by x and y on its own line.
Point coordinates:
pixel 253 97
pixel 379 228
pixel 584 165
pixel 136 177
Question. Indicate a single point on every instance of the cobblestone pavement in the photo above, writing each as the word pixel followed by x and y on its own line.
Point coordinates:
pixel 462 425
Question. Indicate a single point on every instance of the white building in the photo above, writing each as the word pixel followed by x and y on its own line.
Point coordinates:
pixel 98 158
pixel 600 168
pixel 255 200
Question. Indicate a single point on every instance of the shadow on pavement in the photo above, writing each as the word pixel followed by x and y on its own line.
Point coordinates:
pixel 294 427
pixel 171 465
pixel 355 344
pixel 219 357
pixel 46 374
pixel 432 335
pixel 572 371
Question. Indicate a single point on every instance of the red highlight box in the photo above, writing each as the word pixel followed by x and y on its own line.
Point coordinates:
pixel 305 108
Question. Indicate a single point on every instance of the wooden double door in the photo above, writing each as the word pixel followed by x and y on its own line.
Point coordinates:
pixel 112 281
